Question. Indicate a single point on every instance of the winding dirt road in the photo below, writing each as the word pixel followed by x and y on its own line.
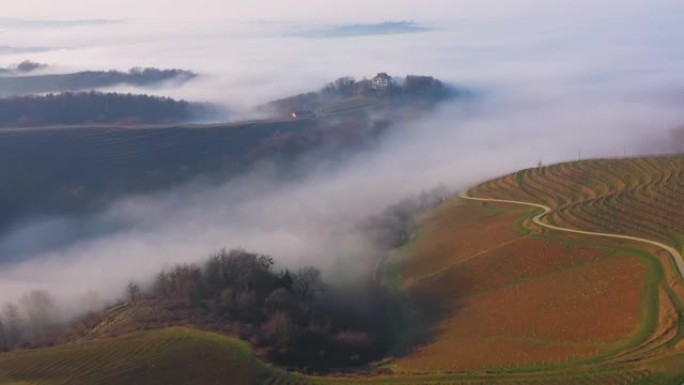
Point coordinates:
pixel 674 254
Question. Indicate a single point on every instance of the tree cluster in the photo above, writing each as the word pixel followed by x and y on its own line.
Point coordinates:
pixel 92 107
pixel 412 86
pixel 395 225
pixel 290 317
pixel 32 320
pixel 409 89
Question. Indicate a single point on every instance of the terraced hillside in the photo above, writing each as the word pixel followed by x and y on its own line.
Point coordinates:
pixel 492 291
pixel 642 197
pixel 495 296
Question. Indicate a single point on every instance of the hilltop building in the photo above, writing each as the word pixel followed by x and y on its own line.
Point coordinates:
pixel 381 81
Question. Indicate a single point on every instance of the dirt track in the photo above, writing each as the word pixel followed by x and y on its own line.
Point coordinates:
pixel 674 254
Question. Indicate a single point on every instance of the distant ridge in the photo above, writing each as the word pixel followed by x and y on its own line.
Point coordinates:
pixel 89 80
pixel 353 30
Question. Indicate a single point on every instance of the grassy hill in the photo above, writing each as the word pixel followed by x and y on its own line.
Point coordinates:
pixel 167 356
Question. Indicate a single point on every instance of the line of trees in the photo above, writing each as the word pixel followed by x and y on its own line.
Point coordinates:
pixel 82 81
pixel 394 226
pixel 93 107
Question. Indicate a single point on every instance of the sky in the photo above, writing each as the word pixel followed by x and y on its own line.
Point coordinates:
pixel 555 78
pixel 321 9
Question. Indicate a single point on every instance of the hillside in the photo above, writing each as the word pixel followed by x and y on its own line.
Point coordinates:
pixel 639 197
pixel 186 356
pixel 408 95
pixel 485 295
pixel 74 159
pixel 487 289
pixel 70 170
pixel 167 356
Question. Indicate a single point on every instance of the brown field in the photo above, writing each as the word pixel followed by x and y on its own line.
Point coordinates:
pixel 511 299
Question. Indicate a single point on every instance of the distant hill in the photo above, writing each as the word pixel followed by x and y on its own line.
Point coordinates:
pixel 352 30
pixel 22 68
pixel 89 80
pixel 89 151
pixel 66 170
pixel 348 93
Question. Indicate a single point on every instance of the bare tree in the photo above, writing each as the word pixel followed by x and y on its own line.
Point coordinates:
pixel 134 292
pixel 3 340
pixel 12 324
pixel 307 283
pixel 41 313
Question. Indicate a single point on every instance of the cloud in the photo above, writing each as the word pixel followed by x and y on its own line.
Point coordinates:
pixel 311 220
pixel 350 10
pixel 46 23
pixel 5 50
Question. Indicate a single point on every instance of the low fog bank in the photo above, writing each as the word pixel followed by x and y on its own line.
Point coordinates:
pixel 553 90
pixel 314 219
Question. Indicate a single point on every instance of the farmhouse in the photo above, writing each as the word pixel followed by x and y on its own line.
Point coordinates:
pixel 381 81
pixel 301 114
